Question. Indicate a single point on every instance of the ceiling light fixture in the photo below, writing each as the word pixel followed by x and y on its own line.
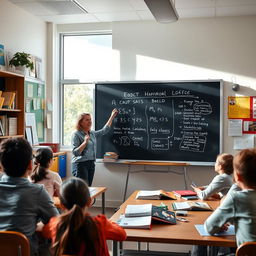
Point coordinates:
pixel 79 6
pixel 164 11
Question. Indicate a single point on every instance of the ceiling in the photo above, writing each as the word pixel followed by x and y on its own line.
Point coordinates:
pixel 66 11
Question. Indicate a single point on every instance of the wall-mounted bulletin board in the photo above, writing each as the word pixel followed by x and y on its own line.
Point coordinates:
pixel 35 103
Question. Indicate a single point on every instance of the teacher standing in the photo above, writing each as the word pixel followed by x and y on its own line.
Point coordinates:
pixel 84 142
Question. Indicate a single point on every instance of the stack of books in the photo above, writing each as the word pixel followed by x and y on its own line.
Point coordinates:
pixel 110 157
pixel 155 195
pixel 186 194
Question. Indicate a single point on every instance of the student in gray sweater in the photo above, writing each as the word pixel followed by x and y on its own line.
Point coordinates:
pixel 239 207
pixel 222 182
pixel 218 188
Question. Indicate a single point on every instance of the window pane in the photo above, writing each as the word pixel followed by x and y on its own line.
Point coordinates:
pixel 90 58
pixel 78 98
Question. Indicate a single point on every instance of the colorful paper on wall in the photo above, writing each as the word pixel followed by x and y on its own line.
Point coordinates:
pixel 239 107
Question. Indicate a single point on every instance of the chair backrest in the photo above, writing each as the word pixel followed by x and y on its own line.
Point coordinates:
pixel 14 243
pixel 246 249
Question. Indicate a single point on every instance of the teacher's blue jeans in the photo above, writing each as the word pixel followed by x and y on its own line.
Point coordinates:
pixel 84 170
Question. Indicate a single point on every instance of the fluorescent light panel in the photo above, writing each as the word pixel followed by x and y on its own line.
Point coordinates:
pixel 164 11
pixel 79 6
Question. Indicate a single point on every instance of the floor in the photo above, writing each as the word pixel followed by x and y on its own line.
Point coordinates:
pixel 133 245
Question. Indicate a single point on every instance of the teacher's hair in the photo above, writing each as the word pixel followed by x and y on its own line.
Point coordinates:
pixel 76 230
pixel 80 119
pixel 245 165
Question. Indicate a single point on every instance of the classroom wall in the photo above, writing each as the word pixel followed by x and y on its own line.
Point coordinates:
pixel 206 48
pixel 21 31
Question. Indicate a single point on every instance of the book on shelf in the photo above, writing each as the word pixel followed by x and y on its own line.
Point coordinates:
pixel 141 216
pixel 183 193
pixel 12 126
pixel 4 125
pixel 155 195
pixel 1 129
pixel 1 102
pixel 191 206
pixel 8 99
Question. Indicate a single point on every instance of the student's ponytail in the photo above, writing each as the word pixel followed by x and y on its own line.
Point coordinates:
pixel 42 160
pixel 76 229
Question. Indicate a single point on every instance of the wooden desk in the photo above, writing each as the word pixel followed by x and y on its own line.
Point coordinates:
pixel 182 233
pixel 94 194
pixel 145 163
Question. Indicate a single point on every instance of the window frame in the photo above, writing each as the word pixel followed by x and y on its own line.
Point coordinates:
pixel 63 82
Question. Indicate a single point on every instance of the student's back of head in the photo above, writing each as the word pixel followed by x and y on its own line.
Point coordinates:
pixel 245 166
pixel 42 160
pixel 15 156
pixel 226 162
pixel 76 229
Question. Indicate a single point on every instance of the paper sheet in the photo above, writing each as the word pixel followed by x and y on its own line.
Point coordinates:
pixel 30 90
pixel 235 127
pixel 230 232
pixel 246 141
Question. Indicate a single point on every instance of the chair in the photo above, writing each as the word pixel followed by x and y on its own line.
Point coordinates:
pixel 14 243
pixel 246 249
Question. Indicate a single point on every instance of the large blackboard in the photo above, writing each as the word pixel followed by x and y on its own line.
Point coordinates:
pixel 161 121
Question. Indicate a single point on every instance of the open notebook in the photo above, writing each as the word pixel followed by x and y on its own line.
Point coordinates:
pixel 141 216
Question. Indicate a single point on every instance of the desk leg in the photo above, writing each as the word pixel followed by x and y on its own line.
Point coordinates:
pixel 115 248
pixel 185 176
pixel 126 182
pixel 103 202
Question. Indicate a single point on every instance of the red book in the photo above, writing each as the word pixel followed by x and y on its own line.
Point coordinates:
pixel 180 193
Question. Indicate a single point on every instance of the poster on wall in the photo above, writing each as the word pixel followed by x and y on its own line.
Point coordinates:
pixel 243 108
pixel 249 126
pixel 2 61
pixel 239 107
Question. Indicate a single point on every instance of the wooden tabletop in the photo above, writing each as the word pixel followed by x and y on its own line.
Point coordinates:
pixel 95 192
pixel 182 233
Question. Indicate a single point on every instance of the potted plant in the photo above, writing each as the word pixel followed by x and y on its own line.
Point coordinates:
pixel 21 61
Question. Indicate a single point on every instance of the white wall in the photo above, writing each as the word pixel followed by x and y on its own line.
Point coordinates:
pixel 214 48
pixel 21 31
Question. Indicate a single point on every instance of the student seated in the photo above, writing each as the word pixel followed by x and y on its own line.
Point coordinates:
pixel 75 231
pixel 42 175
pixel 218 188
pixel 22 203
pixel 222 182
pixel 239 207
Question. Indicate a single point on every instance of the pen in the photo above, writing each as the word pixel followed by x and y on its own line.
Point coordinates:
pixel 193 184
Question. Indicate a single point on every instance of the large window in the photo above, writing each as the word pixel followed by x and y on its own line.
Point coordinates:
pixel 84 60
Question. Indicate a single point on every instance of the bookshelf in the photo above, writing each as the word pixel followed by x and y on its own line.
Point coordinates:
pixel 10 81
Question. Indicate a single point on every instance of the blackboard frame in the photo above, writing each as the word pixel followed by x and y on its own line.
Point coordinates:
pixel 196 163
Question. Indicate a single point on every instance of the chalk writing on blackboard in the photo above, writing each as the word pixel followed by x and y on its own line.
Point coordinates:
pixel 162 122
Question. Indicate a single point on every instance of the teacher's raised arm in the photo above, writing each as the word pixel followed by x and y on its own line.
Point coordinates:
pixel 114 113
